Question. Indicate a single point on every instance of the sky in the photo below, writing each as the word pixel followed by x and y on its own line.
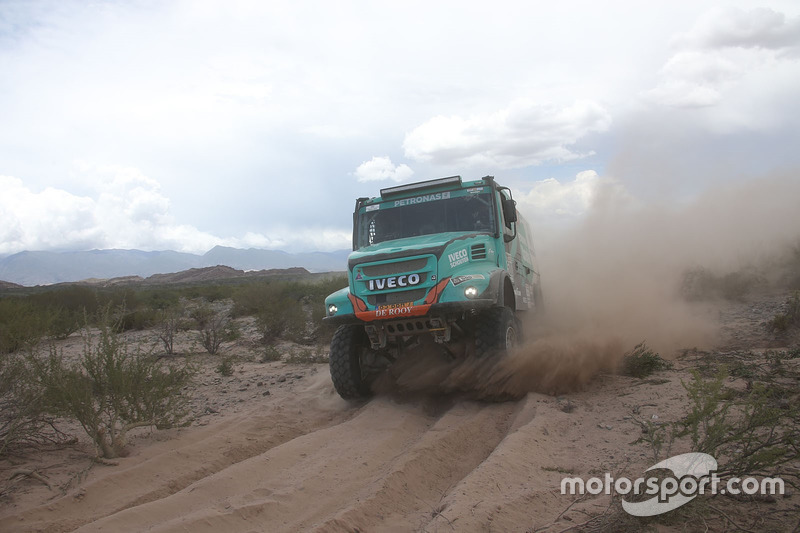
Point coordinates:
pixel 188 124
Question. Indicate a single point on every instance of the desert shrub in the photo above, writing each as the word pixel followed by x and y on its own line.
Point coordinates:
pixel 319 290
pixel 21 325
pixel 110 390
pixel 642 361
pixel 137 319
pixel 270 354
pixel 789 318
pixel 281 317
pixel 209 293
pixel 307 357
pixel 160 299
pixel 23 420
pixel 63 322
pixel 320 332
pixel 170 322
pixel 748 434
pixel 790 268
pixel 701 284
pixel 225 367
pixel 74 297
pixel 214 328
pixel 249 299
pixel 292 310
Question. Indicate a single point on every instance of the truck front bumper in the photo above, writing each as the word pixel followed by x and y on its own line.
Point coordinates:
pixel 439 310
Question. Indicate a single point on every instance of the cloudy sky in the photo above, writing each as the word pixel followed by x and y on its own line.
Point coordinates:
pixel 185 124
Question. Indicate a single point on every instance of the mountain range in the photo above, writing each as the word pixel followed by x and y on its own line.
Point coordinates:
pixel 46 268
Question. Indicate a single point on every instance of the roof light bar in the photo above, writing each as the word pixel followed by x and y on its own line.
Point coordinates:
pixel 401 189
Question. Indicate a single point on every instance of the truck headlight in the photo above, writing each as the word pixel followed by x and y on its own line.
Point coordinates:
pixel 471 292
pixel 332 309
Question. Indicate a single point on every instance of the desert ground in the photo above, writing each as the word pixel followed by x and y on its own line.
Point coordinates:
pixel 273 448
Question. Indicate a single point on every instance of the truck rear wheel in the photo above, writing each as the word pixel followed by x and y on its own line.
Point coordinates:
pixel 348 346
pixel 497 332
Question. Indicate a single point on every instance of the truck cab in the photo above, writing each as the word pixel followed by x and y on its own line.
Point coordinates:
pixel 445 260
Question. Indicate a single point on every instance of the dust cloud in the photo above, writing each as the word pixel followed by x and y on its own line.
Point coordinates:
pixel 615 280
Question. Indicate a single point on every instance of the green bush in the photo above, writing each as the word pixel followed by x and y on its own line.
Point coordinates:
pixel 751 434
pixel 307 357
pixel 21 324
pixel 160 299
pixel 210 293
pixel 281 317
pixel 110 390
pixel 284 309
pixel 64 322
pixel 642 361
pixel 702 284
pixel 270 354
pixel 789 318
pixel 138 319
pixel 23 420
pixel 225 367
pixel 214 328
pixel 170 322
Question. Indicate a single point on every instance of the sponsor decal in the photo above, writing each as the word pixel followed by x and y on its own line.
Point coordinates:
pixel 407 309
pixel 389 311
pixel 458 258
pixel 394 306
pixel 373 207
pixel 422 199
pixel 475 190
pixel 394 282
pixel 458 280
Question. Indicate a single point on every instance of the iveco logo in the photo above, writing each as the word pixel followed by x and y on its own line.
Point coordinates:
pixel 393 282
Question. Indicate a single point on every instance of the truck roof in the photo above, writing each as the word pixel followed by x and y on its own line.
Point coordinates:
pixel 434 185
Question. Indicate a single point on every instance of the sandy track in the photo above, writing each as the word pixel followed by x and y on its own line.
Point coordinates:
pixel 311 461
pixel 302 459
pixel 386 462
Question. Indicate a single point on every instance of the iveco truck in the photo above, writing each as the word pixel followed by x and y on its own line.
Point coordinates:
pixel 446 262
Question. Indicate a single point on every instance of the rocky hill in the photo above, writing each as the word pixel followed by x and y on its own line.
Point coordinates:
pixel 46 268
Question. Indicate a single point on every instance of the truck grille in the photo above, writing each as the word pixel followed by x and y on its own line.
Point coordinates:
pixel 389 269
pixel 400 297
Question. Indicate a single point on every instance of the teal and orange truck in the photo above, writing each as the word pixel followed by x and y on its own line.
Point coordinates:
pixel 446 262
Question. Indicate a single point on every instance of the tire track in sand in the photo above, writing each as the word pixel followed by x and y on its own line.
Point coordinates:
pixel 178 463
pixel 388 462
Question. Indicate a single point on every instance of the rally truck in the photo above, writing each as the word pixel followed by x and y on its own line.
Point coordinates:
pixel 444 262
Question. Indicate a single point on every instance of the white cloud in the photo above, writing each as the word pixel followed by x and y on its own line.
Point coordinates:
pixel 52 218
pixel 222 102
pixel 553 197
pixel 755 28
pixel 525 133
pixel 382 168
pixel 722 52
pixel 552 202
pixel 125 210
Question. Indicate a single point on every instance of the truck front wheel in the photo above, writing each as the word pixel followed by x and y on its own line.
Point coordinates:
pixel 348 346
pixel 496 333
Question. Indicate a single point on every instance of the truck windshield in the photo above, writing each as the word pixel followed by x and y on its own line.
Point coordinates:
pixel 399 219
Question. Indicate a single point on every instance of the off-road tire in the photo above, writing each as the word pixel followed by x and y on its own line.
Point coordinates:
pixel 348 344
pixel 496 333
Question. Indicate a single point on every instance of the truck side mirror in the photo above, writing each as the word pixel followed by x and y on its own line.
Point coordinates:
pixel 509 211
